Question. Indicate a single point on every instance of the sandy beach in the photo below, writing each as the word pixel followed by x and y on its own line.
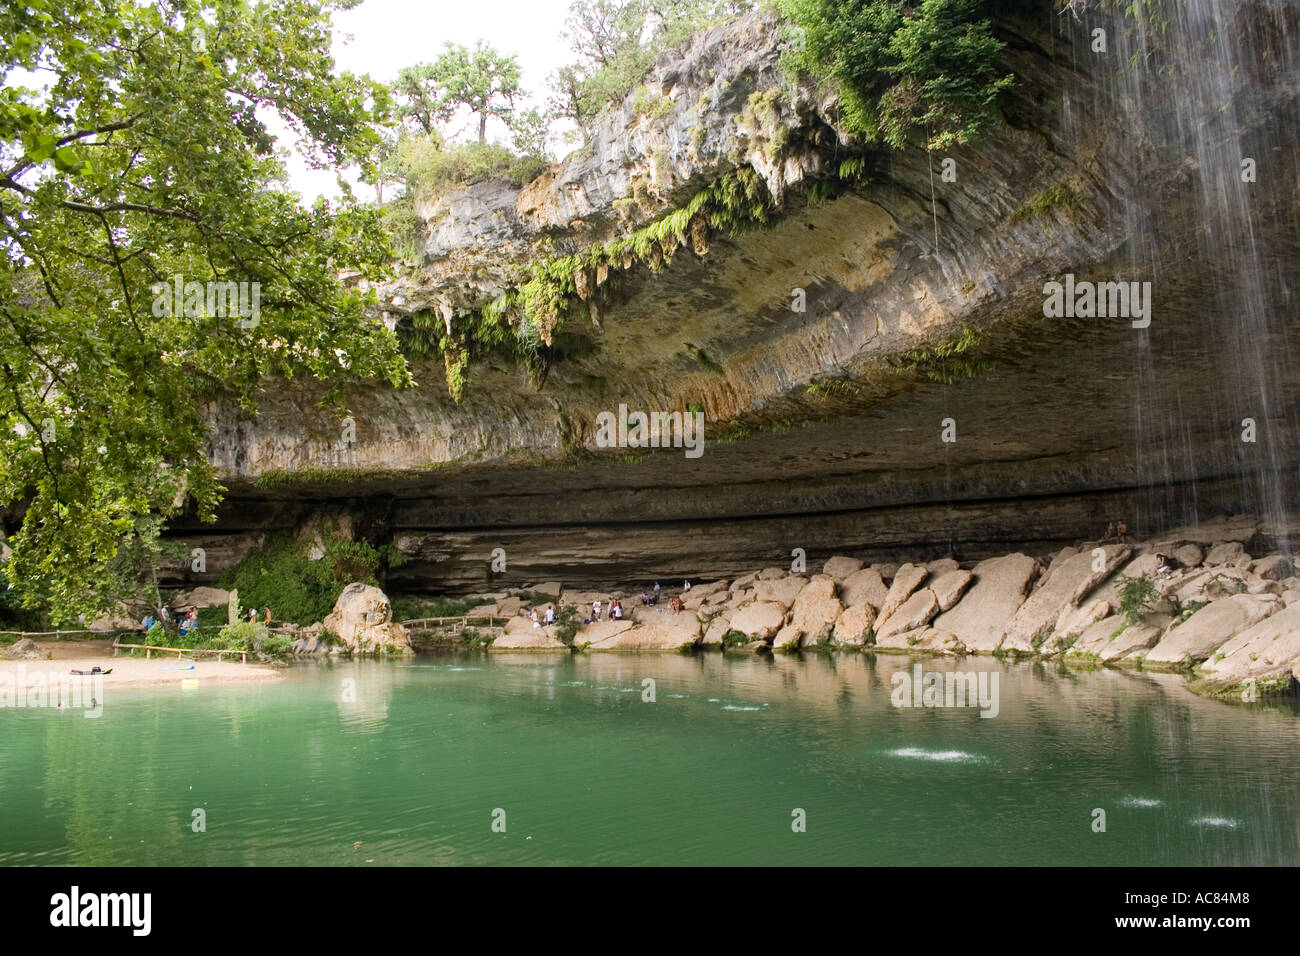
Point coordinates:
pixel 66 656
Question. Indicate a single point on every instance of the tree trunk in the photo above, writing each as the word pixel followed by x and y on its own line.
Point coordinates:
pixel 482 128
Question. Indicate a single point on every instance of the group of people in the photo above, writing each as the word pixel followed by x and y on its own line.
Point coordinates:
pixel 615 610
pixel 601 611
pixel 190 621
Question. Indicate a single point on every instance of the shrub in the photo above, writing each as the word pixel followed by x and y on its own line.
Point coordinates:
pixel 254 638
pixel 1136 595
pixel 297 589
pixel 567 624
pixel 903 68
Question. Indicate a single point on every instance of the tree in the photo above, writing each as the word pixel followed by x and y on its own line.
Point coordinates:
pixel 616 42
pixel 481 80
pixel 154 263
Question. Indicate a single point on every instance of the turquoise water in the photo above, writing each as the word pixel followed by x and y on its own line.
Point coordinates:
pixel 411 760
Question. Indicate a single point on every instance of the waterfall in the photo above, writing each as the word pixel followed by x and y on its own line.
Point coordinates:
pixel 1206 93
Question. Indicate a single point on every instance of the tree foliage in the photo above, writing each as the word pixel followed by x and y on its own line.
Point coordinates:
pixel 481 80
pixel 904 70
pixel 134 148
pixel 616 41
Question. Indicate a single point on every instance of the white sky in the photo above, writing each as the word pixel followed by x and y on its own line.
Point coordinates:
pixel 380 37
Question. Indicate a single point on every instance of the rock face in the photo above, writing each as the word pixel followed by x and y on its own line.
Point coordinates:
pixel 363 619
pixel 981 618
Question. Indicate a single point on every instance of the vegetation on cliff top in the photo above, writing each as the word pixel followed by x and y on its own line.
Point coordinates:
pixel 906 71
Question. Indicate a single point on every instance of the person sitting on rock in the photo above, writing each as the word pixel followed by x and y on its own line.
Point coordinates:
pixel 1165 564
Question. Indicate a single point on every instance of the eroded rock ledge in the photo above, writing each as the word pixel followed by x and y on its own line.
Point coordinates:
pixel 823 427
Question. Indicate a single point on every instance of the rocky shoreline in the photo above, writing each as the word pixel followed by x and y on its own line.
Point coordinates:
pixel 1230 621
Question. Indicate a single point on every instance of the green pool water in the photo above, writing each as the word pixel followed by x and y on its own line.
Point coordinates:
pixel 415 761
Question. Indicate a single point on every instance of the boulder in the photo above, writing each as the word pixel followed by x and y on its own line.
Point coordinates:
pixel 1189 555
pixel 716 630
pixel 552 589
pixel 673 632
pixel 1268 650
pixel 743 582
pixel 1211 627
pixel 1075 620
pixel 25 649
pixel 1113 638
pixel 840 567
pixel 886 571
pixel 520 635
pixel 927 639
pixel 363 620
pixel 787 639
pixel 1271 567
pixel 759 620
pixel 908 578
pixel 1069 578
pixel 864 587
pixel 949 585
pixel 853 624
pixel 741 598
pixel 771 574
pixel 816 609
pixel 781 591
pixel 1224 552
pixel 981 617
pixel 913 613
pixel 200 597
pixel 942 566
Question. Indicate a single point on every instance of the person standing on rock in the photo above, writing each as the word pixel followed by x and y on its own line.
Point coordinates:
pixel 595 610
pixel 656 592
